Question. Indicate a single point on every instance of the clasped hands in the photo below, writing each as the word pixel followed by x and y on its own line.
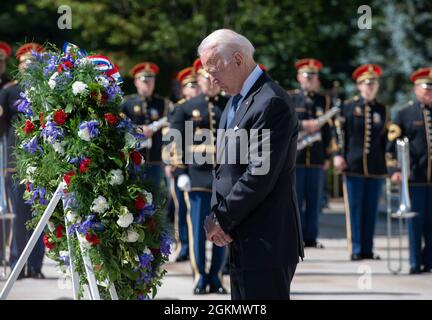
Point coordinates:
pixel 214 232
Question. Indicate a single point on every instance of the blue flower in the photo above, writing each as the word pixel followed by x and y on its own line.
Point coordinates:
pixel 165 244
pixel 73 228
pixel 90 224
pixel 88 130
pixel 32 146
pixel 38 192
pixel 52 132
pixel 24 105
pixel 145 260
pixel 144 278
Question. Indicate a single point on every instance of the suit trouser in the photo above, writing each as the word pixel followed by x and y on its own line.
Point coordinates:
pixel 420 226
pixel 262 284
pixel 180 213
pixel 363 198
pixel 199 210
pixel 309 188
pixel 20 233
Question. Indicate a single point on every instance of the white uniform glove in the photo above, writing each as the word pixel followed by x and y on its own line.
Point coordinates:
pixel 184 182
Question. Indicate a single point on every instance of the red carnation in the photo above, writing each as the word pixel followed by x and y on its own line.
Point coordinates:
pixel 84 165
pixel 60 117
pixel 59 231
pixel 46 242
pixel 41 118
pixel 29 127
pixel 65 65
pixel 68 177
pixel 112 119
pixel 93 239
pixel 139 203
pixel 136 157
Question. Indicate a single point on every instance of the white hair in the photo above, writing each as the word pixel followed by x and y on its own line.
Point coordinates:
pixel 226 42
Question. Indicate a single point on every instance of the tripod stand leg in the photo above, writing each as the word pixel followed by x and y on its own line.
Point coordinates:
pixel 89 270
pixel 74 274
pixel 32 242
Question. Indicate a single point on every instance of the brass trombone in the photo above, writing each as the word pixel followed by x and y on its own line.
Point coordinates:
pixel 404 211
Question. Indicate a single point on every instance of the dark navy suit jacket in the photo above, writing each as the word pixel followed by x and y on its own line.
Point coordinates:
pixel 260 211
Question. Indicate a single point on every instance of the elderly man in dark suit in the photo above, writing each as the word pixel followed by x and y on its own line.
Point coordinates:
pixel 253 210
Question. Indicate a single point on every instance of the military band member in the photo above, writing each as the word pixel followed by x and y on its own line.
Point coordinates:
pixel 15 191
pixel 362 136
pixel 195 179
pixel 5 52
pixel 312 160
pixel 187 78
pixel 143 109
pixel 415 122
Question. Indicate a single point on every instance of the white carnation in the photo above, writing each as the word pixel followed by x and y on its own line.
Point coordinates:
pixel 58 147
pixel 79 87
pixel 125 219
pixel 132 235
pixel 72 216
pixel 99 205
pixel 84 134
pixel 116 177
pixel 51 82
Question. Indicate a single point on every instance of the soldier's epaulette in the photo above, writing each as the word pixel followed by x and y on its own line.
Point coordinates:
pixel 350 100
pixel 10 84
pixel 294 91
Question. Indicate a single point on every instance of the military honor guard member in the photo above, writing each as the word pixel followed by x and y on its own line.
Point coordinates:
pixel 144 108
pixel 361 130
pixel 9 113
pixel 187 78
pixel 195 179
pixel 314 158
pixel 415 123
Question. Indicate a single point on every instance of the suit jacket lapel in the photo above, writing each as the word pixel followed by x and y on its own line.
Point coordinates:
pixel 248 100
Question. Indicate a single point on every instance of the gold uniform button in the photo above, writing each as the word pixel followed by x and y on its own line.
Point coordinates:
pixel 196 113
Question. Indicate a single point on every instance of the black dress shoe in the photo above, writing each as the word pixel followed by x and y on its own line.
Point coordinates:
pixel 415 270
pixel 218 290
pixel 313 244
pixel 35 275
pixel 181 258
pixel 371 256
pixel 356 257
pixel 199 290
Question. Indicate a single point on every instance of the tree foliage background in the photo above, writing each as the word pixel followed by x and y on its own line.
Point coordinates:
pixel 169 31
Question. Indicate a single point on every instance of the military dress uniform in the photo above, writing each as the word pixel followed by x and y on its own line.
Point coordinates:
pixel 415 122
pixel 361 131
pixel 204 112
pixel 14 190
pixel 310 160
pixel 186 77
pixel 144 111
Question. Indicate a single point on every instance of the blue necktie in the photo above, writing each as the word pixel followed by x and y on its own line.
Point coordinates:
pixel 233 109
